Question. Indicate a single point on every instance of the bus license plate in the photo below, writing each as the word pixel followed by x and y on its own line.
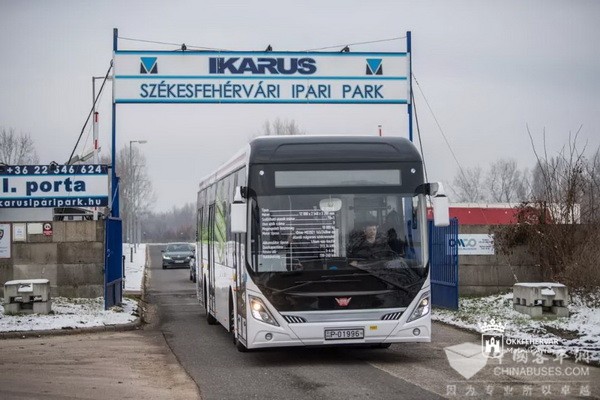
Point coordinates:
pixel 344 334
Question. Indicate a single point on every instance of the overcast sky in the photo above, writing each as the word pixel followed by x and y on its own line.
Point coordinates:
pixel 487 68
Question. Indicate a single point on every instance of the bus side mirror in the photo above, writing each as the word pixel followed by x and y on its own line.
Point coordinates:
pixel 441 213
pixel 441 206
pixel 238 212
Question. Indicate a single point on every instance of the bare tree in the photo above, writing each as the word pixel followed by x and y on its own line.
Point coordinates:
pixel 135 188
pixel 562 179
pixel 177 224
pixel 506 183
pixel 17 148
pixel 279 127
pixel 591 195
pixel 467 186
pixel 560 227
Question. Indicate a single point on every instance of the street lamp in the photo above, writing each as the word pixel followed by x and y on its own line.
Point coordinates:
pixel 131 216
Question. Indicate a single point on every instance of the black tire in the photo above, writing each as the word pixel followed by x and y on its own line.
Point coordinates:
pixel 232 319
pixel 240 347
pixel 164 266
pixel 209 318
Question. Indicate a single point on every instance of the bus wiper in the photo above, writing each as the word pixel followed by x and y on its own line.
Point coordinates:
pixel 383 278
pixel 304 283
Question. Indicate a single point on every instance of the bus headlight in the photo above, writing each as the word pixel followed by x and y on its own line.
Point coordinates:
pixel 422 309
pixel 260 312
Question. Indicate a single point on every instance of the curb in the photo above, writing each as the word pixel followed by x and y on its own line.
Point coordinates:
pixel 130 326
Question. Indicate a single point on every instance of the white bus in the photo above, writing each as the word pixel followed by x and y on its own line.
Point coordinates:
pixel 318 240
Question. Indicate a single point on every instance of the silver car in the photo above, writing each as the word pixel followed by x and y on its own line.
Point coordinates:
pixel 179 255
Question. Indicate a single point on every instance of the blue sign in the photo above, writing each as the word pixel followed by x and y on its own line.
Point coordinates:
pixel 40 186
pixel 260 77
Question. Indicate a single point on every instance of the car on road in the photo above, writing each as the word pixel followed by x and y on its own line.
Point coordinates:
pixel 179 255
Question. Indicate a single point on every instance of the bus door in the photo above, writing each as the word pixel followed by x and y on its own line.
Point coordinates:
pixel 211 258
pixel 240 289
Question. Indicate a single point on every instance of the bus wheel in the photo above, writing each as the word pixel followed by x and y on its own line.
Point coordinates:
pixel 209 318
pixel 241 348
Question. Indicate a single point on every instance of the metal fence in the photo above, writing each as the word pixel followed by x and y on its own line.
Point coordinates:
pixel 444 265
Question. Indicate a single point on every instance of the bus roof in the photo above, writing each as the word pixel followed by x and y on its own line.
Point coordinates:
pixel 307 149
pixel 317 149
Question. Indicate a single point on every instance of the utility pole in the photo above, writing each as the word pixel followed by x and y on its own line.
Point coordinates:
pixel 131 201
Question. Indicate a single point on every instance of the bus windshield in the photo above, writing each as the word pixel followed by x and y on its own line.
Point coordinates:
pixel 336 231
pixel 320 231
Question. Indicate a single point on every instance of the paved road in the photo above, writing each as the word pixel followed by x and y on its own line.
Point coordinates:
pixel 143 365
pixel 407 371
pixel 116 365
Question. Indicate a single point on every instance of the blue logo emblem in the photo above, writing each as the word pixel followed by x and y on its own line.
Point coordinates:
pixel 374 66
pixel 148 65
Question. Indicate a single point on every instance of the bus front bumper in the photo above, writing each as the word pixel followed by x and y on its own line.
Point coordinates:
pixel 327 334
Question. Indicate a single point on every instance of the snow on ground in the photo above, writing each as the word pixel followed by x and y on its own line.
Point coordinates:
pixel 76 313
pixel 577 334
pixel 134 270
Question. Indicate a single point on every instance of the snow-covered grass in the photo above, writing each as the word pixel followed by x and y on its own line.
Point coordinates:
pixel 71 314
pixel 74 313
pixel 579 332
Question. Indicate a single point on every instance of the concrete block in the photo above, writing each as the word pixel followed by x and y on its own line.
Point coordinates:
pixel 550 297
pixel 12 308
pixel 58 231
pixel 30 271
pixel 100 231
pixel 42 307
pixel 27 289
pixel 39 238
pixel 35 253
pixel 80 274
pixel 560 311
pixel 6 274
pixel 81 291
pixel 80 253
pixel 27 296
pixel 546 294
pixel 534 312
pixel 80 231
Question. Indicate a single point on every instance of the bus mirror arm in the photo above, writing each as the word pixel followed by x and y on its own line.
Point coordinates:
pixel 241 193
pixel 431 189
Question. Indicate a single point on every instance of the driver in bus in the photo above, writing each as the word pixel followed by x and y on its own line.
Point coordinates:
pixel 368 244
